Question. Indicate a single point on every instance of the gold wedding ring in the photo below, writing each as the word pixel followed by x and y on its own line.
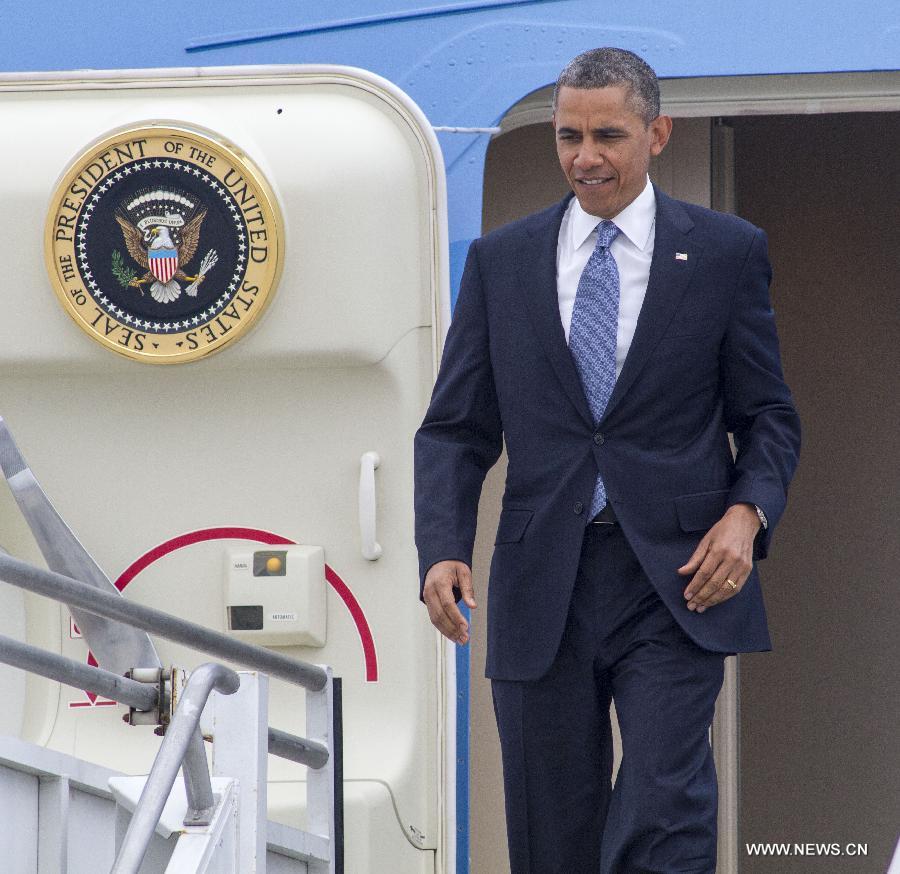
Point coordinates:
pixel 731 583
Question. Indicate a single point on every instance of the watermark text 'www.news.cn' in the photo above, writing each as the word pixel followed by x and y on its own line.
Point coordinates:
pixel 806 849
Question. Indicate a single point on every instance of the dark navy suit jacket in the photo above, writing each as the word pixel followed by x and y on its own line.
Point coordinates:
pixel 704 361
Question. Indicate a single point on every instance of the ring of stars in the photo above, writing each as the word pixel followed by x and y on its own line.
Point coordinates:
pixel 185 322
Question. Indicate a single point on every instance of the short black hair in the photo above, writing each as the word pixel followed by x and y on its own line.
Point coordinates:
pixel 600 68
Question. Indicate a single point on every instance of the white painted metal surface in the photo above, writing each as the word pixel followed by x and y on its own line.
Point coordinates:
pixel 239 725
pixel 68 817
pixel 266 435
pixel 61 816
pixel 216 849
pixel 320 798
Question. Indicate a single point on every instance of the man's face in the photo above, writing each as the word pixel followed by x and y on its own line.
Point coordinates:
pixel 604 146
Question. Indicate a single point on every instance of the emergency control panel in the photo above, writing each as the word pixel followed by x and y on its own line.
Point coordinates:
pixel 276 596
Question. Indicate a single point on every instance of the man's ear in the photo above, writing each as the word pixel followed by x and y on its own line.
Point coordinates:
pixel 661 130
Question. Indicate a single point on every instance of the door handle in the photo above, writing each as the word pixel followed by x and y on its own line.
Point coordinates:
pixel 371 548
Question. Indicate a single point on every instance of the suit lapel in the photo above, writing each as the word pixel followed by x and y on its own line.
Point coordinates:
pixel 669 278
pixel 537 273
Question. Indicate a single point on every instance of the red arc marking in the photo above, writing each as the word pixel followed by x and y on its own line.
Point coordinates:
pixel 267 537
pixel 259 536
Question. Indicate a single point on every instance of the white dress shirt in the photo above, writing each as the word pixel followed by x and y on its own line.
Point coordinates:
pixel 632 250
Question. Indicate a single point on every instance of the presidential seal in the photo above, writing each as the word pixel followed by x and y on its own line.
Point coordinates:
pixel 163 243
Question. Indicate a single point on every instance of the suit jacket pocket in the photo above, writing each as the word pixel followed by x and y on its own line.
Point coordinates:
pixel 700 511
pixel 513 522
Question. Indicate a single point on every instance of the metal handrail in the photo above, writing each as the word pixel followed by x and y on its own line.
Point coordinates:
pixel 145 697
pixel 64 670
pixel 76 594
pixel 197 784
pixel 179 747
pixel 298 749
pixel 140 696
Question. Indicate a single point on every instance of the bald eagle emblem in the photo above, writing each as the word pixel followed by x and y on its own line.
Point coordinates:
pixel 162 232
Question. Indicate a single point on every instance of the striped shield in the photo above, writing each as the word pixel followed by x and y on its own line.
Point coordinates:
pixel 163 263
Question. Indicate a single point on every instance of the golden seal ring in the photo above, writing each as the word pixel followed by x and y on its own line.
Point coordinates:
pixel 164 242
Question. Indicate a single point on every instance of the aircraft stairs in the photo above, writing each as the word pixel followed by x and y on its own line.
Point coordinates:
pixel 63 815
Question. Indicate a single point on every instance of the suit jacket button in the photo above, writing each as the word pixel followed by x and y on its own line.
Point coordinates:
pixel 598 438
pixel 578 508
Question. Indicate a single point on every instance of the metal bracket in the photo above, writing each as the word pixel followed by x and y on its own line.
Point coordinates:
pixel 169 683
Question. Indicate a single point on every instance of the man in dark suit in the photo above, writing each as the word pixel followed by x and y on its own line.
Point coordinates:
pixel 613 340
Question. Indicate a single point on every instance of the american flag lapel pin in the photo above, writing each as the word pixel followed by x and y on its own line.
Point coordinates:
pixel 681 256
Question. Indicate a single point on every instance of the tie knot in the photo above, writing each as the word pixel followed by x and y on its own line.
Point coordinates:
pixel 606 233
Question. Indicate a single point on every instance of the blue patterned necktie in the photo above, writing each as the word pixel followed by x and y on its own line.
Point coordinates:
pixel 592 334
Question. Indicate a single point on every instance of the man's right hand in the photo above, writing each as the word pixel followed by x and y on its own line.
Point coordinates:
pixel 440 581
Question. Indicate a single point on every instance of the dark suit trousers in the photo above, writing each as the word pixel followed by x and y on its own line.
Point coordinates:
pixel 621 642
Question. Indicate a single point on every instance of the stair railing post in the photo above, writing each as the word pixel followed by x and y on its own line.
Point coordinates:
pixel 239 726
pixel 320 800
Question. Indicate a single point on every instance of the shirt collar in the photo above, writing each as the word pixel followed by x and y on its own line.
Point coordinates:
pixel 635 221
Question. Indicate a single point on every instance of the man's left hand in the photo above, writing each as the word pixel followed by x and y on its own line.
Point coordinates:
pixel 725 553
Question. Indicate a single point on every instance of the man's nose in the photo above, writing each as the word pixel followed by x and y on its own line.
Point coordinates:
pixel 588 156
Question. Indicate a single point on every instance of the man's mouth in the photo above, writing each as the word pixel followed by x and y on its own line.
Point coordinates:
pixel 594 181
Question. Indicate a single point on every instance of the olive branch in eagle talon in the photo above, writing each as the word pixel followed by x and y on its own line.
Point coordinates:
pixel 141 246
pixel 122 273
